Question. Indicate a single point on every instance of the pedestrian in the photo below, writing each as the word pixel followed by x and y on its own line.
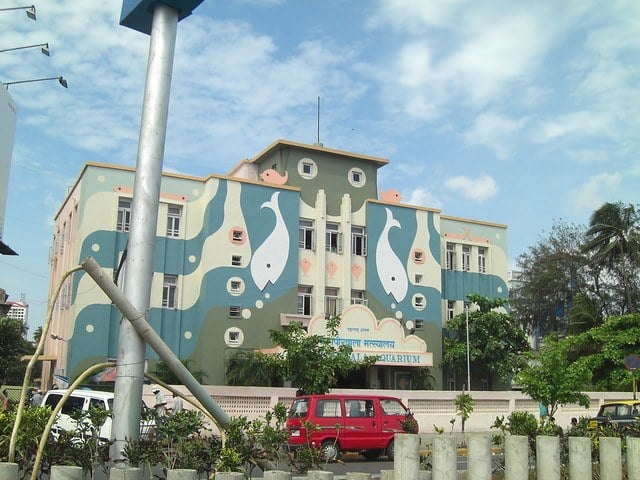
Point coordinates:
pixel 176 405
pixel 36 398
pixel 160 405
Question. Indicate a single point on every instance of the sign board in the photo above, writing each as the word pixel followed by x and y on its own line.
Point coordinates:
pixel 367 336
pixel 632 361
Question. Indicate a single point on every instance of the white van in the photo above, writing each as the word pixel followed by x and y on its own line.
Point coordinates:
pixel 83 400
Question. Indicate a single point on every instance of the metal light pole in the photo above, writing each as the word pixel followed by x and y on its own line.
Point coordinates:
pixel 466 310
pixel 144 219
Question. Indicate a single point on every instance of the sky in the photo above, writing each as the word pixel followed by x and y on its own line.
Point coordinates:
pixel 517 113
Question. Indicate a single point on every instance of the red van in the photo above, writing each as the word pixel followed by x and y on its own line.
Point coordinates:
pixel 362 423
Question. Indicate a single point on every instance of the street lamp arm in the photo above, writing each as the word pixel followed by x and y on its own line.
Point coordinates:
pixel 44 48
pixel 30 10
pixel 61 80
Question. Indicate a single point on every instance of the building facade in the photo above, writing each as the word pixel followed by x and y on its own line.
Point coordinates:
pixel 298 233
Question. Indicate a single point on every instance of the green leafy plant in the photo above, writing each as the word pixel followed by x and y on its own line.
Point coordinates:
pixel 464 406
pixel 33 422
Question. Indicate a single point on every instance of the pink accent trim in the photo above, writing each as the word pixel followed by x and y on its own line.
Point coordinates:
pixel 164 196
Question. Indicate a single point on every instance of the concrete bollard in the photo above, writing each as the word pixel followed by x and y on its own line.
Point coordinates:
pixel 479 457
pixel 406 456
pixel 548 457
pixel 125 473
pixel 444 457
pixel 384 475
pixel 580 458
pixel 358 476
pixel 633 458
pixel 182 474
pixel 610 458
pixel 516 456
pixel 229 476
pixel 66 472
pixel 319 475
pixel 276 475
pixel 8 471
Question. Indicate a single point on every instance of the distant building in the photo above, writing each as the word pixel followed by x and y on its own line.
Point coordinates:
pixel 19 311
pixel 298 233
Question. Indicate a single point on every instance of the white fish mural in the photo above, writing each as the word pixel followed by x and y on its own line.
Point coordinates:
pixel 270 258
pixel 391 272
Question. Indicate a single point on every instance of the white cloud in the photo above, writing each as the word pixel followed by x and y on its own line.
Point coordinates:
pixel 478 189
pixel 414 16
pixel 582 123
pixel 595 191
pixel 423 197
pixel 495 131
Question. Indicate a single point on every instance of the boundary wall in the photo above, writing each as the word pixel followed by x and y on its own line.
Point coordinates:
pixel 430 407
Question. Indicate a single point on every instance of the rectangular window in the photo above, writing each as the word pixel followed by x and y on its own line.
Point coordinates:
pixel 307 168
pixel 306 235
pixel 358 297
pixel 234 338
pixel 304 300
pixel 174 214
pixel 358 241
pixel 418 256
pixel 356 177
pixel 170 291
pixel 451 309
pixel 451 256
pixel 333 238
pixel 466 258
pixel 234 311
pixel 482 260
pixel 328 408
pixel 418 278
pixel 124 215
pixel 331 302
pixel 236 260
pixel 419 324
pixel 235 285
pixel 237 236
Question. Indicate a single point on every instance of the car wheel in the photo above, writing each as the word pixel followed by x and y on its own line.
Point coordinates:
pixel 390 449
pixel 371 454
pixel 330 450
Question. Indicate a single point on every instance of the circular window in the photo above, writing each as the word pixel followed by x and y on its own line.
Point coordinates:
pixel 419 302
pixel 307 168
pixel 357 178
pixel 235 286
pixel 233 337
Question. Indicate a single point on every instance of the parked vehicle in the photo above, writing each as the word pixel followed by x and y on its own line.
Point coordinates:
pixel 84 400
pixel 338 423
pixel 621 414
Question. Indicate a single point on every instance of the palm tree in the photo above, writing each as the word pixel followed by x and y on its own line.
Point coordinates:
pixel 613 238
pixel 37 334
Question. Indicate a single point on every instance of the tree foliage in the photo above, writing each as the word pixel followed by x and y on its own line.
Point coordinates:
pixel 13 345
pixel 613 238
pixel 165 374
pixel 496 342
pixel 251 368
pixel 313 363
pixel 552 378
pixel 551 274
pixel 602 350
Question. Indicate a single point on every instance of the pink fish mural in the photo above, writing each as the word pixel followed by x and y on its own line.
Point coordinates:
pixel 332 268
pixel 273 177
pixel 305 266
pixel 356 271
pixel 392 196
